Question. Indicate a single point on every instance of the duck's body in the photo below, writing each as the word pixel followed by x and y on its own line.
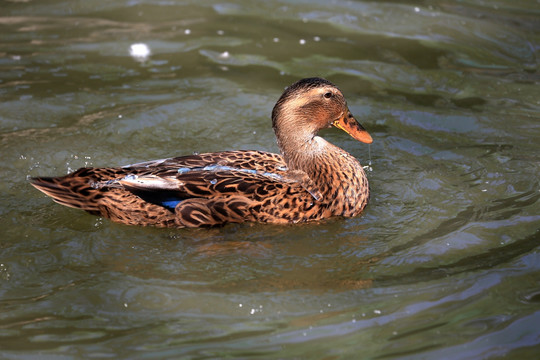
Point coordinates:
pixel 312 180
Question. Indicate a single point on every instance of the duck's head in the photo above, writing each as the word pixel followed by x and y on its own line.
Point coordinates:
pixel 312 104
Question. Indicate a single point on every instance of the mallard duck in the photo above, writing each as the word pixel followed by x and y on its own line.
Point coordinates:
pixel 312 179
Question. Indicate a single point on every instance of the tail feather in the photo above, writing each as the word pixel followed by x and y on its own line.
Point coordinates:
pixel 74 192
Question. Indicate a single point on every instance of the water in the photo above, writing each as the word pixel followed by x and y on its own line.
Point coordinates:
pixel 444 263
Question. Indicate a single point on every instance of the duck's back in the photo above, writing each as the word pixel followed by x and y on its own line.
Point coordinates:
pixel 175 191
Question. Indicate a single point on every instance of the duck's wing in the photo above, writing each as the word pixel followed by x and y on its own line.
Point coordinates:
pixel 239 159
pixel 195 190
pixel 227 171
pixel 87 187
pixel 171 187
pixel 209 195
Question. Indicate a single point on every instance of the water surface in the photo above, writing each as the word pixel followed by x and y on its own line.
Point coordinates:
pixel 444 262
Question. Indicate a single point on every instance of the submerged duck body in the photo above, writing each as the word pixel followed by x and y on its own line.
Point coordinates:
pixel 312 179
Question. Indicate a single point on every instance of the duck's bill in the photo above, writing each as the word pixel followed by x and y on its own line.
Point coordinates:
pixel 352 127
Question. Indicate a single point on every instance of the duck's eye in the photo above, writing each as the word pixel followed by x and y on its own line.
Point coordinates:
pixel 328 95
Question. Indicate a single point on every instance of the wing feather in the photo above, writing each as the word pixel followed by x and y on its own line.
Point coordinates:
pixel 191 191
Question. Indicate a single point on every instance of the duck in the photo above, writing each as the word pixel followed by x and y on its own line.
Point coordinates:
pixel 310 180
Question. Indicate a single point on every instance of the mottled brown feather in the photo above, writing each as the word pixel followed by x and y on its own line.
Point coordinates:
pixel 313 179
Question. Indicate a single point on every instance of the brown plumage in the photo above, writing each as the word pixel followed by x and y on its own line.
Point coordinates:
pixel 311 180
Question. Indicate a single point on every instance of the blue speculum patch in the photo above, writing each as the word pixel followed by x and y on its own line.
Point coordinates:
pixel 171 204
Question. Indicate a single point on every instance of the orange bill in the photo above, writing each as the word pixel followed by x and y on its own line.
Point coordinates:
pixel 352 127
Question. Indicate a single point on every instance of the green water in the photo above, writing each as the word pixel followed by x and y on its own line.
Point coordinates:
pixel 443 264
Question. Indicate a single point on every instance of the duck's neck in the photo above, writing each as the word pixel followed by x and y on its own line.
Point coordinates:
pixel 313 155
pixel 299 147
pixel 333 173
pixel 303 150
pixel 303 155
